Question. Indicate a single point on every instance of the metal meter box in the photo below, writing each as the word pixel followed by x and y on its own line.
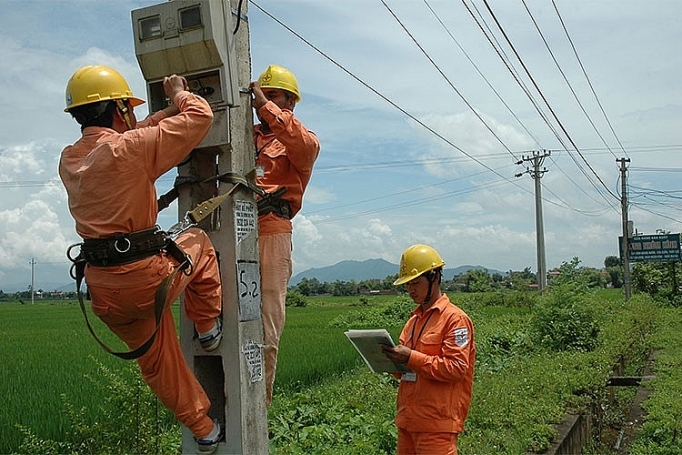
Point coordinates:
pixel 191 38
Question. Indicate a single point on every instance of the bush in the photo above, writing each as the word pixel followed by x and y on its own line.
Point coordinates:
pixel 352 415
pixel 392 315
pixel 563 321
pixel 295 298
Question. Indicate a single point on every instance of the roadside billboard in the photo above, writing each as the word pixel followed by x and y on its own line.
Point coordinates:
pixel 652 248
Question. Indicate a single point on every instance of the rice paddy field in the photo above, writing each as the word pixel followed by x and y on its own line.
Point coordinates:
pixel 46 352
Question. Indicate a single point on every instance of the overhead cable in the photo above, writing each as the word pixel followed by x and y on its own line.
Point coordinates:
pixel 589 82
pixel 556 118
pixel 568 83
pixel 447 79
pixel 382 96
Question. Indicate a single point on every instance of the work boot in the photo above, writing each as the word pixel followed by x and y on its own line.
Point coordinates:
pixel 209 444
pixel 211 339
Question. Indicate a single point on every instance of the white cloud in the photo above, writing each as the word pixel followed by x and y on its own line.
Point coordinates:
pixel 316 195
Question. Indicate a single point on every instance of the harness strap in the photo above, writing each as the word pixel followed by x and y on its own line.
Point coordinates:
pixel 124 248
pixel 228 177
pixel 78 273
pixel 167 199
pixel 273 202
pixel 159 305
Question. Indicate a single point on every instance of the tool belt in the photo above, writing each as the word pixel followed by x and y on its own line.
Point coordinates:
pixel 273 202
pixel 124 248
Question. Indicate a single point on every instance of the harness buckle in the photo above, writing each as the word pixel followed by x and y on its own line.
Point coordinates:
pixel 70 256
pixel 126 248
pixel 181 226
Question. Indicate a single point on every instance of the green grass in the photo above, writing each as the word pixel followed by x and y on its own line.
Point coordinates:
pixel 326 400
pixel 49 355
pixel 318 351
pixel 46 352
pixel 662 430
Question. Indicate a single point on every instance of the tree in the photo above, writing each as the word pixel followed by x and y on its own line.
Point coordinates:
pixel 519 280
pixel 658 279
pixel 477 281
pixel 612 261
pixel 572 273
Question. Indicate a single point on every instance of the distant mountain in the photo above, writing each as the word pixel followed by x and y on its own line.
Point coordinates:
pixel 347 271
pixel 367 270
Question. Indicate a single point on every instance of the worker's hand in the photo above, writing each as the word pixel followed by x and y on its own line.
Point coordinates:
pixel 398 354
pixel 258 100
pixel 174 84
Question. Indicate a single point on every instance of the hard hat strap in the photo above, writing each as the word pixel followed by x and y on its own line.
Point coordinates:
pixel 432 276
pixel 125 112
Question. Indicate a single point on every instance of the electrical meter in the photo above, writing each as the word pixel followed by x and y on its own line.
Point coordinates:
pixel 193 39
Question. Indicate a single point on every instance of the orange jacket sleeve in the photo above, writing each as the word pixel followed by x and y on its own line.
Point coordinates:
pixel 302 144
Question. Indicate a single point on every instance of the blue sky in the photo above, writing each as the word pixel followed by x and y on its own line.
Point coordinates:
pixel 420 119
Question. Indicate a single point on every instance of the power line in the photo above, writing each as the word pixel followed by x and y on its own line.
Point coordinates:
pixel 395 105
pixel 556 63
pixel 444 76
pixel 510 67
pixel 507 63
pixel 482 75
pixel 556 118
pixel 381 95
pixel 589 82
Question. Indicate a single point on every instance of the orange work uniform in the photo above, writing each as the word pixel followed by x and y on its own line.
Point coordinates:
pixel 109 178
pixel 443 357
pixel 284 158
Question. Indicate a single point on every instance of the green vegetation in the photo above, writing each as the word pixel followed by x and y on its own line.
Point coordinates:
pixel 537 359
pixel 662 430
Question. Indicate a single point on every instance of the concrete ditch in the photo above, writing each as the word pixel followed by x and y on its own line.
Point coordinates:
pixel 578 431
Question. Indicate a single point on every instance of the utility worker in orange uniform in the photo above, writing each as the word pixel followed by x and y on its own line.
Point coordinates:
pixel 437 345
pixel 109 175
pixel 285 154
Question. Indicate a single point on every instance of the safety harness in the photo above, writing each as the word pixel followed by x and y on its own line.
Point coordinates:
pixel 126 248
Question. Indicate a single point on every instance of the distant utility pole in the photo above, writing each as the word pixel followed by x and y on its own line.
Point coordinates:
pixel 33 279
pixel 625 253
pixel 537 159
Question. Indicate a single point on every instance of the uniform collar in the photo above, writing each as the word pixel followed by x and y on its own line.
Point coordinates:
pixel 438 305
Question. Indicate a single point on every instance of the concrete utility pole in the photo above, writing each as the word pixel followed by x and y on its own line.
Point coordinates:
pixel 537 159
pixel 625 248
pixel 207 42
pixel 33 279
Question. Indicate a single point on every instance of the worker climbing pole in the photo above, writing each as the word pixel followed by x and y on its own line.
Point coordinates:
pixel 207 42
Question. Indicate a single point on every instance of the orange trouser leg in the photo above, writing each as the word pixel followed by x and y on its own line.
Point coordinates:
pixel 419 443
pixel 203 294
pixel 275 270
pixel 129 313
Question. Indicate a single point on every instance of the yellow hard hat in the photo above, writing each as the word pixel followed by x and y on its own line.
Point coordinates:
pixel 276 76
pixel 417 260
pixel 92 84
